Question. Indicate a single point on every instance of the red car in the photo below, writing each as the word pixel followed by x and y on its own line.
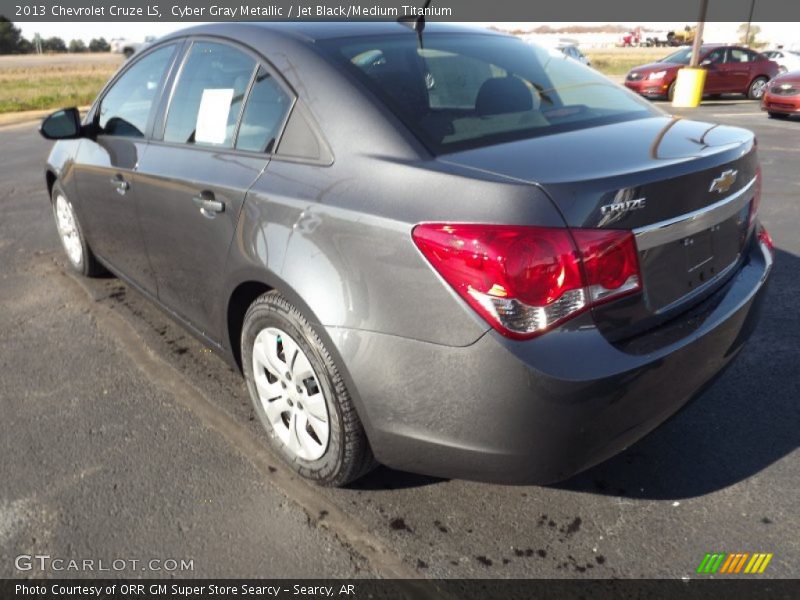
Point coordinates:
pixel 729 70
pixel 782 96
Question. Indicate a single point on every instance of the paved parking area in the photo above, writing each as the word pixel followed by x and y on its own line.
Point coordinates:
pixel 122 437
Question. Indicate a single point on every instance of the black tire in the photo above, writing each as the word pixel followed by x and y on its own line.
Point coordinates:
pixel 348 455
pixel 87 265
pixel 671 91
pixel 127 52
pixel 757 87
pixel 777 115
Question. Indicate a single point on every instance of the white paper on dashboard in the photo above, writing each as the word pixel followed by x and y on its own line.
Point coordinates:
pixel 212 118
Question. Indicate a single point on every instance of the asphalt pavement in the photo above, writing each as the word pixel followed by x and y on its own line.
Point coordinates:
pixel 124 438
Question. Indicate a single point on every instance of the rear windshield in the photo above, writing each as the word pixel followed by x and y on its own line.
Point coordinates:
pixel 462 90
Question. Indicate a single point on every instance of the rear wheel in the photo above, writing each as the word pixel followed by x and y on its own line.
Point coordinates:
pixel 300 396
pixel 79 254
pixel 757 88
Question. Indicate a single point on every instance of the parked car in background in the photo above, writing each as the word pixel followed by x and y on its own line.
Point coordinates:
pixel 729 70
pixel 782 97
pixel 128 47
pixel 788 60
pixel 461 258
pixel 566 46
pixel 572 51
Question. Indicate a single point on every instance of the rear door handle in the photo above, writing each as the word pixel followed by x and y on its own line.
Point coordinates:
pixel 207 204
pixel 120 184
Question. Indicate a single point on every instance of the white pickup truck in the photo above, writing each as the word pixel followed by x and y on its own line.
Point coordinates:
pixel 129 47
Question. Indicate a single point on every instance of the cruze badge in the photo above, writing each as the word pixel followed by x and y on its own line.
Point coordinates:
pixel 724 182
pixel 619 208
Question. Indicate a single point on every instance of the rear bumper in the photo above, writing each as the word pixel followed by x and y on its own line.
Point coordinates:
pixel 780 104
pixel 539 411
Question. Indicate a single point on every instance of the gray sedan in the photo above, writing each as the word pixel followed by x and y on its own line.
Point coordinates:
pixel 444 250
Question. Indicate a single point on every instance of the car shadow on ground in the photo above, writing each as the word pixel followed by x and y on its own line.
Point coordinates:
pixel 384 478
pixel 741 425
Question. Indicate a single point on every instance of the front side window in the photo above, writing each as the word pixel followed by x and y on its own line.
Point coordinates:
pixel 264 114
pixel 208 96
pixel 468 90
pixel 715 57
pixel 125 108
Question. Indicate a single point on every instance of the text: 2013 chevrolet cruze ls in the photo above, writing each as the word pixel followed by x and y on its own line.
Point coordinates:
pixel 454 253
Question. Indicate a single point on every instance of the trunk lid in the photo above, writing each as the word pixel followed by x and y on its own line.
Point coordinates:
pixel 683 187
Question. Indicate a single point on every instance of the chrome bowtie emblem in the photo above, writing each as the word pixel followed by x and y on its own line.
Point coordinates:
pixel 724 182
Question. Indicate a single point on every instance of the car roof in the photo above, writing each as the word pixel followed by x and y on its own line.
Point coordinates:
pixel 311 31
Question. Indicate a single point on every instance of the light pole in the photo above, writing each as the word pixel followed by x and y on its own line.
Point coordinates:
pixel 698 34
pixel 749 20
pixel 687 89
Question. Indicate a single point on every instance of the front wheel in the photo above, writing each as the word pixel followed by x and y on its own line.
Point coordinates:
pixel 777 115
pixel 757 88
pixel 671 91
pixel 300 396
pixel 79 254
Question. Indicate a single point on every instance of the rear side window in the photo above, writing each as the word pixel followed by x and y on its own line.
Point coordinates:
pixel 125 108
pixel 467 90
pixel 741 56
pixel 264 114
pixel 208 96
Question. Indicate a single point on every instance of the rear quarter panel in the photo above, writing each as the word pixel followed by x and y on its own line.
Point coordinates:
pixel 339 239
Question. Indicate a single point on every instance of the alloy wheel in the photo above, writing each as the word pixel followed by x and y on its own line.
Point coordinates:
pixel 757 90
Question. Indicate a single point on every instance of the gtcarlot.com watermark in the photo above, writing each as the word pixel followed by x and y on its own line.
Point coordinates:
pixel 55 564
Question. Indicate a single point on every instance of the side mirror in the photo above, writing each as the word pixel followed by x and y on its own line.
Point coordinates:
pixel 64 124
pixel 706 63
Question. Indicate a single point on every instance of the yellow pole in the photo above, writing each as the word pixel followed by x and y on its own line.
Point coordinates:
pixel 692 79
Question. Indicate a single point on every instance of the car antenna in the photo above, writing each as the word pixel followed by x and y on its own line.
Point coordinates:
pixel 417 23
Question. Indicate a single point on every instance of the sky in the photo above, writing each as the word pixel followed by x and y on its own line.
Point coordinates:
pixel 784 33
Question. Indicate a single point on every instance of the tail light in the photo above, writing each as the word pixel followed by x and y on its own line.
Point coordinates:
pixel 526 280
pixel 756 201
pixel 765 238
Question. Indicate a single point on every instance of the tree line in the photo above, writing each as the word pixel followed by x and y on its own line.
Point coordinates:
pixel 12 42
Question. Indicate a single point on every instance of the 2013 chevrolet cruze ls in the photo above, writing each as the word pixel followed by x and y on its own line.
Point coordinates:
pixel 444 250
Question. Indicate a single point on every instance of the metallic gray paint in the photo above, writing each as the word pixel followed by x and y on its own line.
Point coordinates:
pixel 437 391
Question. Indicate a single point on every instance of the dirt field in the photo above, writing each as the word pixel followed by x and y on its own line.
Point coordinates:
pixel 618 61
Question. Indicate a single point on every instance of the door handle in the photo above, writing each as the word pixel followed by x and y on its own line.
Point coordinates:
pixel 207 204
pixel 120 184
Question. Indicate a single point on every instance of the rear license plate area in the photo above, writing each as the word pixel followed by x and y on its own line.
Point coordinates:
pixel 699 255
pixel 673 271
pixel 709 252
